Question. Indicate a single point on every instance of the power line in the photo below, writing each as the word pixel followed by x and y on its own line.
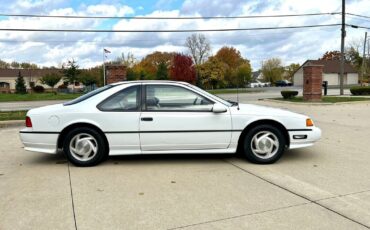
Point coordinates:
pixel 164 31
pixel 356 26
pixel 138 40
pixel 167 18
pixel 359 15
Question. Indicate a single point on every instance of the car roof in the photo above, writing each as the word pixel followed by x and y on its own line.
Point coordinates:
pixel 149 81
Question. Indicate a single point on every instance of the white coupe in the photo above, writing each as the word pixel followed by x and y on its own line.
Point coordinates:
pixel 157 117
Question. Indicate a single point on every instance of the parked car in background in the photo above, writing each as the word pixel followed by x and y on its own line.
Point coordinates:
pixel 163 117
pixel 283 83
pixel 257 83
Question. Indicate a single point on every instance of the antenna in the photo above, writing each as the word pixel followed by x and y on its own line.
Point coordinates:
pixel 237 95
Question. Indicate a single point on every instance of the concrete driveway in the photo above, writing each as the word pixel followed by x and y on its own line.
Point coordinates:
pixel 326 186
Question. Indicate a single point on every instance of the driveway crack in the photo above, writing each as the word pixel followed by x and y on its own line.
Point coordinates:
pixel 73 205
pixel 297 194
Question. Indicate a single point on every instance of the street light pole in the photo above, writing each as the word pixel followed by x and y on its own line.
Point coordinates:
pixel 363 60
pixel 343 35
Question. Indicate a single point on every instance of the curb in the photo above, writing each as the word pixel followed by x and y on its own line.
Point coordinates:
pixel 315 103
pixel 13 123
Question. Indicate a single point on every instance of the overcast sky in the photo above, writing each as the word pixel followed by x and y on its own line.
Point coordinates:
pixel 291 45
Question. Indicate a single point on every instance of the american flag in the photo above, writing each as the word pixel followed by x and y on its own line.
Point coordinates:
pixel 107 51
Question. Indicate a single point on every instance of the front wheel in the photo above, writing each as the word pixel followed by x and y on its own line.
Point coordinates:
pixel 84 147
pixel 264 144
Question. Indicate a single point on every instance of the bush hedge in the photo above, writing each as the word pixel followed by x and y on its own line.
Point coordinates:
pixel 360 90
pixel 288 94
pixel 38 89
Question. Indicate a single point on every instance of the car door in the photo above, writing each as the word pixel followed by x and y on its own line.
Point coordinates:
pixel 175 117
pixel 120 115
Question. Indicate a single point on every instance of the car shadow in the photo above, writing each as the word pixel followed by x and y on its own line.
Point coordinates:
pixel 293 155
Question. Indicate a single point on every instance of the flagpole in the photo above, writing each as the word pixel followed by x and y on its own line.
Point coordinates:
pixel 104 67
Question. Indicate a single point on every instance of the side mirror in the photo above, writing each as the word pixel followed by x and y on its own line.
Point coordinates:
pixel 219 108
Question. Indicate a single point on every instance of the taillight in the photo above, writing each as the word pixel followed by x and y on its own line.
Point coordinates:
pixel 28 122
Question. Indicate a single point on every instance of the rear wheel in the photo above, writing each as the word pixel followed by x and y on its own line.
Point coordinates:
pixel 264 144
pixel 84 147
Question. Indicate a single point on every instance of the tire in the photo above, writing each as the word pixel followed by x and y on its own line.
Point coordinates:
pixel 85 147
pixel 264 144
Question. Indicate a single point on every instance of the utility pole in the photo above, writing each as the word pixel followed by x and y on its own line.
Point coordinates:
pixel 343 35
pixel 363 60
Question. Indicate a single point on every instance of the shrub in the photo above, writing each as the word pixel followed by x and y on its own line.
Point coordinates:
pixel 360 90
pixel 287 94
pixel 62 86
pixel 38 89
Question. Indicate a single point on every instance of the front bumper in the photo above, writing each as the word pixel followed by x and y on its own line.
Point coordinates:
pixel 39 141
pixel 311 136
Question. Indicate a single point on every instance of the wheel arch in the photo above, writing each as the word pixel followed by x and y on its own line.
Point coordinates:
pixel 272 122
pixel 70 127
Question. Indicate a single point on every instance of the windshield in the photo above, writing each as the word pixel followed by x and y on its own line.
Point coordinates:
pixel 223 101
pixel 88 95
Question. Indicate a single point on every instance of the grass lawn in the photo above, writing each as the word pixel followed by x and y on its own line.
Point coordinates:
pixel 4 97
pixel 12 115
pixel 328 99
pixel 230 91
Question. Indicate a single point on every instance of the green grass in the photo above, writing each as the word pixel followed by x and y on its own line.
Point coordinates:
pixel 328 99
pixel 37 96
pixel 233 91
pixel 12 115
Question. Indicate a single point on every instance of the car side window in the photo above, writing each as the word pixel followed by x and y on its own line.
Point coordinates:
pixel 125 100
pixel 175 98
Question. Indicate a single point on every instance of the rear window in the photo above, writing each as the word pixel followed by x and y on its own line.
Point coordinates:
pixel 88 95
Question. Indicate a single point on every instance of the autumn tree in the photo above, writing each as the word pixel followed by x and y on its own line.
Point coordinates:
pixel 150 63
pixel 182 69
pixel 212 72
pixel 331 55
pixel 272 69
pixel 51 80
pixel 232 58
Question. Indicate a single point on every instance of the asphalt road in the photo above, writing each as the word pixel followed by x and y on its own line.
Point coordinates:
pixel 269 92
pixel 326 186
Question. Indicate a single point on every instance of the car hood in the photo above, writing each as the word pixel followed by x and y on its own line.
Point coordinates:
pixel 251 109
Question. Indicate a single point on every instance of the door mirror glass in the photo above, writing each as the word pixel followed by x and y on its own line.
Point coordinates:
pixel 218 108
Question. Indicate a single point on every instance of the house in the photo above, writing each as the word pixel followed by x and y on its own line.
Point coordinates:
pixel 331 73
pixel 31 77
pixel 257 75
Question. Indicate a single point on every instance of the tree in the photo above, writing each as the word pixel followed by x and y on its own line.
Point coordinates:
pixel 232 58
pixel 212 72
pixel 20 85
pixel 150 63
pixel 71 72
pixel 87 78
pixel 331 55
pixel 51 80
pixel 290 70
pixel 4 65
pixel 243 74
pixel 162 72
pixel 129 60
pixel 199 47
pixel 182 69
pixel 272 69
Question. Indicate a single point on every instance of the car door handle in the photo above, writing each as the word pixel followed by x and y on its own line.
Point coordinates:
pixel 147 118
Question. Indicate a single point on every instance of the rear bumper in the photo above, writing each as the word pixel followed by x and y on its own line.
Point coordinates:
pixel 39 141
pixel 304 138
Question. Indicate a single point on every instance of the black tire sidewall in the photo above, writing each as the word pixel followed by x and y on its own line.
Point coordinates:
pixel 101 154
pixel 247 144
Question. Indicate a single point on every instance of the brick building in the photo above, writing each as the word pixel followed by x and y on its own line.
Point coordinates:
pixel 115 73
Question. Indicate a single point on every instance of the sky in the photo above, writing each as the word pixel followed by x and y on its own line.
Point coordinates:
pixel 291 45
